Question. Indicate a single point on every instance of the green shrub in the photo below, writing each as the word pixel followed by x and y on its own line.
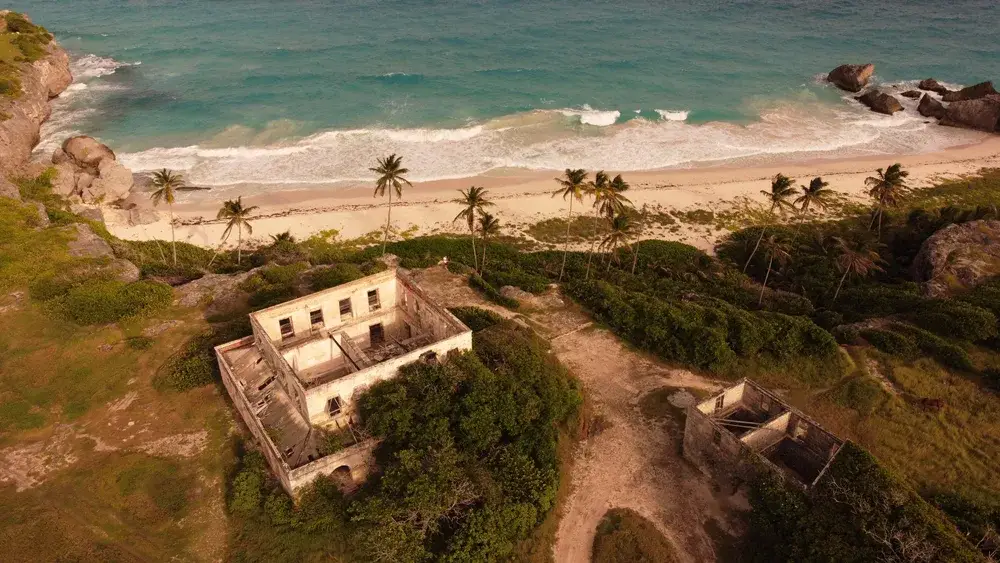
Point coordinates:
pixel 140 342
pixel 862 394
pixel 846 334
pixel 624 536
pixel 517 278
pixel 946 353
pixel 491 293
pixel 247 490
pixel 332 276
pixel 195 365
pixel 283 275
pixel 890 342
pixel 955 319
pixel 476 318
pixel 101 302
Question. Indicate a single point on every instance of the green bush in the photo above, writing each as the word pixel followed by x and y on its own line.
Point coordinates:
pixel 101 302
pixel 247 488
pixel 195 365
pixel 491 293
pixel 946 353
pixel 862 394
pixel 283 275
pixel 140 342
pixel 332 276
pixel 955 319
pixel 890 342
pixel 624 536
pixel 476 318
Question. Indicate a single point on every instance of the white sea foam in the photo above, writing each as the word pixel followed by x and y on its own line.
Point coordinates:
pixel 591 116
pixel 673 115
pixel 543 140
pixel 93 66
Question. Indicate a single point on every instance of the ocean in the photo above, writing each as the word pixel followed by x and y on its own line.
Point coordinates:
pixel 311 92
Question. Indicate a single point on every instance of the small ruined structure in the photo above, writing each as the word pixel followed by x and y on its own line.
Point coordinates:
pixel 296 379
pixel 746 426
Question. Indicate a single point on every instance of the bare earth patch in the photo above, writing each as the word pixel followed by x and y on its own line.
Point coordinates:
pixel 178 445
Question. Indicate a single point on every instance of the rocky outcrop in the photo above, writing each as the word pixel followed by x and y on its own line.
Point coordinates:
pixel 222 292
pixel 958 257
pixel 880 102
pixel 929 107
pixel 9 190
pixel 852 78
pixel 912 94
pixel 975 92
pixel 86 243
pixel 982 114
pixel 932 85
pixel 89 171
pixel 41 81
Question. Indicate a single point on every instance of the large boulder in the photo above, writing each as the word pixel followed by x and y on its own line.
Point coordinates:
pixel 9 190
pixel 958 257
pixel 64 182
pixel 880 102
pixel 982 114
pixel 220 291
pixel 929 107
pixel 975 92
pixel 852 78
pixel 912 94
pixel 112 183
pixel 84 152
pixel 932 85
pixel 86 243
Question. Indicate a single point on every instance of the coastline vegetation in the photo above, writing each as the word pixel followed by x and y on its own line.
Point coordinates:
pixel 22 42
pixel 839 321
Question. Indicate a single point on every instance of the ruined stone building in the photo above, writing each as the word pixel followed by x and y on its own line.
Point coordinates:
pixel 747 426
pixel 295 381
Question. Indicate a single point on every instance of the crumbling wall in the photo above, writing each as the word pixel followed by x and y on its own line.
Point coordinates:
pixel 769 433
pixel 359 459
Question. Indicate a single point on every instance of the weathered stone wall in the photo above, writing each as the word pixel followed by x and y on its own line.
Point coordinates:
pixel 270 451
pixel 349 387
pixel 768 433
pixel 357 458
pixel 286 377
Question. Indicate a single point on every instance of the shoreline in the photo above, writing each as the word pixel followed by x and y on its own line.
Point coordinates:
pixel 523 197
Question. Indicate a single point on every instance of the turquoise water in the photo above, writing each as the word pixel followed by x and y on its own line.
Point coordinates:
pixel 310 91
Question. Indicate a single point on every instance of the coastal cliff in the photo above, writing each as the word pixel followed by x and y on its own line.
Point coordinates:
pixel 35 71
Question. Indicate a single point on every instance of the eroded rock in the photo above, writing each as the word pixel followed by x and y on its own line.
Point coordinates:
pixel 959 257
pixel 973 92
pixel 932 85
pixel 86 243
pixel 982 113
pixel 929 107
pixel 912 94
pixel 852 78
pixel 880 102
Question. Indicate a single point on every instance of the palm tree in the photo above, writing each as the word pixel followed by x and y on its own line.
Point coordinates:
pixel 572 186
pixel 816 193
pixel 391 177
pixel 620 231
pixel 283 237
pixel 886 189
pixel 474 201
pixel 643 218
pixel 775 249
pixel 488 226
pixel 166 183
pixel 598 188
pixel 781 189
pixel 854 259
pixel 237 216
pixel 608 201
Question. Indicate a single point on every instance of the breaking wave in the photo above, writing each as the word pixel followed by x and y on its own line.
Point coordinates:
pixel 543 139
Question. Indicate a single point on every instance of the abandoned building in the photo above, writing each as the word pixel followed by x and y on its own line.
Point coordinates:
pixel 296 379
pixel 731 432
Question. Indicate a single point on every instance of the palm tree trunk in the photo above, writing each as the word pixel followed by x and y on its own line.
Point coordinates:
pixel 388 218
pixel 764 286
pixel 872 224
pixel 590 253
pixel 483 271
pixel 475 257
pixel 756 246
pixel 173 239
pixel 635 257
pixel 879 237
pixel 569 221
pixel 839 285
pixel 239 242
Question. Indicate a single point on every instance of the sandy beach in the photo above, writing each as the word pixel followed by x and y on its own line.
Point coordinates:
pixel 524 197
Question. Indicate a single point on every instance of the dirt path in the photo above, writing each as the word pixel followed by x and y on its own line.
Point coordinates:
pixel 635 462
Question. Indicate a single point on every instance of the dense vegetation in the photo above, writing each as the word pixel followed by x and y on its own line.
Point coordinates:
pixel 468 457
pixel 623 536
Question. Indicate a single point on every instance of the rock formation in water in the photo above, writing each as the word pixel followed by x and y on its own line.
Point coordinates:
pixel 982 113
pixel 974 92
pixel 929 107
pixel 22 115
pixel 852 78
pixel 932 85
pixel 880 102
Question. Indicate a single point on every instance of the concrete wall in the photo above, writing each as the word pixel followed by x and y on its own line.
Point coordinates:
pixel 357 458
pixel 313 353
pixel 732 395
pixel 286 377
pixel 722 459
pixel 351 385
pixel 771 432
pixel 274 459
pixel 328 301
